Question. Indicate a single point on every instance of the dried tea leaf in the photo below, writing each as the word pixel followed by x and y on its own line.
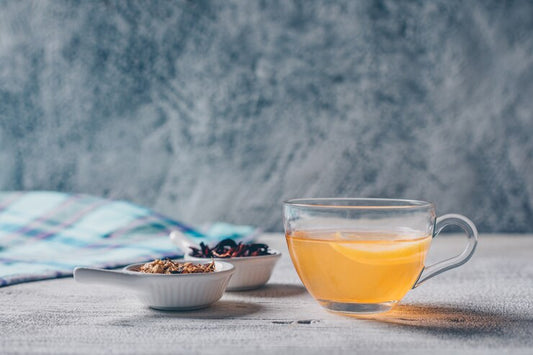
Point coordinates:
pixel 159 266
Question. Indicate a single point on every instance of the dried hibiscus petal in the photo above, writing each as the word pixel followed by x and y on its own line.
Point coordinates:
pixel 228 248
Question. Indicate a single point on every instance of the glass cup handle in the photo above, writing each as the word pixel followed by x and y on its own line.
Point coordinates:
pixel 471 233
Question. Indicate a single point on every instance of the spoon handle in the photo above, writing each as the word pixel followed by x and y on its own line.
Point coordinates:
pixel 102 276
pixel 180 240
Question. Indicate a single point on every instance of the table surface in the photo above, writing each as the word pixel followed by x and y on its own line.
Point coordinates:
pixel 485 306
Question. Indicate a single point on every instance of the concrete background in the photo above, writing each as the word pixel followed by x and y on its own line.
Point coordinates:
pixel 210 110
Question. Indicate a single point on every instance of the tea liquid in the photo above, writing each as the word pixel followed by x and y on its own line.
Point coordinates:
pixel 357 267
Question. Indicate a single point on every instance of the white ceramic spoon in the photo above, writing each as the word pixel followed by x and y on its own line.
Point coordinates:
pixel 162 291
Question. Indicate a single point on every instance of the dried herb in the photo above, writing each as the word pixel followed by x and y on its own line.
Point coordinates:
pixel 228 248
pixel 170 267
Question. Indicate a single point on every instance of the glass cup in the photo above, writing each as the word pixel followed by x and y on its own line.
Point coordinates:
pixel 361 256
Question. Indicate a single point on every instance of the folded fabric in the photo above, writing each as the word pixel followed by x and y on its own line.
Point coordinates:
pixel 44 235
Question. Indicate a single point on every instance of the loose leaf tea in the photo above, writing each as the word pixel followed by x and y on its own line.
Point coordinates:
pixel 170 267
pixel 228 248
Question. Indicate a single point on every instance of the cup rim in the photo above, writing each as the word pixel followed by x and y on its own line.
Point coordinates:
pixel 358 203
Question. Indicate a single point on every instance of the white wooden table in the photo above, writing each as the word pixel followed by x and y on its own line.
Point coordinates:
pixel 486 306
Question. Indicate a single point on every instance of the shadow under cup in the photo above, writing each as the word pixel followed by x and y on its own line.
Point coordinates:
pixel 362 256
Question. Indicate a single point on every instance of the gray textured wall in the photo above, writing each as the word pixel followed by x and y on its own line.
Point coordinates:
pixel 219 110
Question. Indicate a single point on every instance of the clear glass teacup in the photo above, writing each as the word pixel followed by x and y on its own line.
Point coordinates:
pixel 362 256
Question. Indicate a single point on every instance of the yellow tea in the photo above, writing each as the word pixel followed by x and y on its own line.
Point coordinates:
pixel 349 267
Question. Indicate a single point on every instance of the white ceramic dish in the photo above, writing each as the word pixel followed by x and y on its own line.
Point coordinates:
pixel 165 292
pixel 250 271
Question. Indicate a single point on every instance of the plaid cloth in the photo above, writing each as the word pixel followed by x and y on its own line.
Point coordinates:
pixel 44 235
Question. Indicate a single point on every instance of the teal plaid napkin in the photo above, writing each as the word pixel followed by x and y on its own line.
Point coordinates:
pixel 44 235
